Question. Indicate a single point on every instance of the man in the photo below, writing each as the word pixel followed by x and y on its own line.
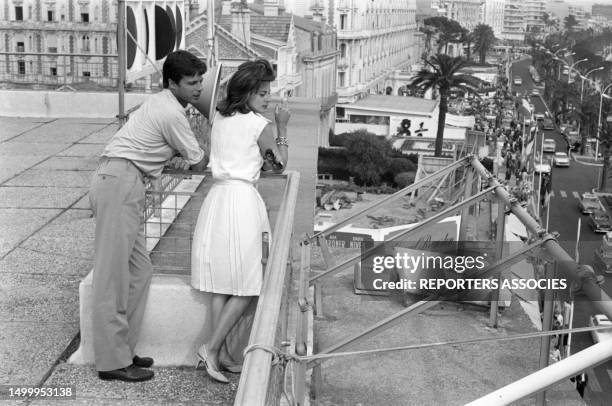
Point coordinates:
pixel 122 268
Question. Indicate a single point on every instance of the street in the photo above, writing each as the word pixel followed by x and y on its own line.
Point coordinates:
pixel 567 185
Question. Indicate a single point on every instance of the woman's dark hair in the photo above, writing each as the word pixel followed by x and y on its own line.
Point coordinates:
pixel 180 64
pixel 243 83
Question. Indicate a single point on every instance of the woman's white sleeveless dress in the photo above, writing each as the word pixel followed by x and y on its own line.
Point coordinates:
pixel 227 242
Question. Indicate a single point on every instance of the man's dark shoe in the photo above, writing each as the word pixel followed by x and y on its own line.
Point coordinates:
pixel 129 374
pixel 143 362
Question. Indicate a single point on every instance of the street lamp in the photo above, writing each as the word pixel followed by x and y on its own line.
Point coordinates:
pixel 569 74
pixel 584 77
pixel 563 61
pixel 599 119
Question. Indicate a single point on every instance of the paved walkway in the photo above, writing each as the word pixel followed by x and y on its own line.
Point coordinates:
pixel 46 248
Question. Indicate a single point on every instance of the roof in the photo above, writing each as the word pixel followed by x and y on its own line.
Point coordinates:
pixel 400 104
pixel 276 28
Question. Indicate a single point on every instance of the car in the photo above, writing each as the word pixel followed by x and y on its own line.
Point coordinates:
pixel 542 168
pixel 602 257
pixel 561 159
pixel 565 71
pixel 548 124
pixel 535 92
pixel 588 203
pixel 518 81
pixel 600 320
pixel 539 117
pixel 549 145
pixel 600 221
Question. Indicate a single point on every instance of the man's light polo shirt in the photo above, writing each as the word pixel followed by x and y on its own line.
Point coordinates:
pixel 153 134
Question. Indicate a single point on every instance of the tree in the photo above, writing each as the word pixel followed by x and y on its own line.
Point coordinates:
pixel 444 75
pixel 484 39
pixel 448 31
pixel 467 37
pixel 570 22
pixel 605 144
pixel 367 156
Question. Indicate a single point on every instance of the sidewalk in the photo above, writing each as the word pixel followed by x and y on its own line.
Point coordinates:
pixel 46 249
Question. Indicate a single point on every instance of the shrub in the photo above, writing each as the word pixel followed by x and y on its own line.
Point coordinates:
pixel 334 161
pixel 404 179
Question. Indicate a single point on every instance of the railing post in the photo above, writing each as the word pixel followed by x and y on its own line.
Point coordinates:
pixel 301 335
pixel 546 326
pixel 499 240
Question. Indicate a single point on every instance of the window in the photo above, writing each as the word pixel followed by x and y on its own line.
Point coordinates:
pixel 19 13
pixel 49 15
pixel 86 43
pixel 341 77
pixel 84 17
pixel 342 50
pixel 87 74
pixel 52 50
pixel 343 20
pixel 21 67
pixel 63 17
pixel 20 47
pixel 53 71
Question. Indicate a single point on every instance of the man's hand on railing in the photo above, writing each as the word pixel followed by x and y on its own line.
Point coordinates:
pixel 178 163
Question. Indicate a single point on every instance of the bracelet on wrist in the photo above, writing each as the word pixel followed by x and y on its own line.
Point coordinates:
pixel 282 141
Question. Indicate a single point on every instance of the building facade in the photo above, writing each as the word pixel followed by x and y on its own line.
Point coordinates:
pixel 374 39
pixel 604 10
pixel 514 20
pixel 494 16
pixel 534 15
pixel 59 42
pixel 468 13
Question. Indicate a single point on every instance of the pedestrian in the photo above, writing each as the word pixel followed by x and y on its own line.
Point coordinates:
pixel 122 271
pixel 227 242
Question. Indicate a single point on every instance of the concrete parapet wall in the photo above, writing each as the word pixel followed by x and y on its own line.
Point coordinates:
pixel 173 326
pixel 37 103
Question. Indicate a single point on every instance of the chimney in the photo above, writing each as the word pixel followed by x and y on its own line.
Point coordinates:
pixel 270 8
pixel 241 22
pixel 226 7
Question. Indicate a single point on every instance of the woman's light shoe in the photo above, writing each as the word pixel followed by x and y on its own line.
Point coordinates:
pixel 232 367
pixel 213 373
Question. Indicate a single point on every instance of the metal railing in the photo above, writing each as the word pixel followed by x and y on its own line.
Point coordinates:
pixel 262 381
pixel 567 268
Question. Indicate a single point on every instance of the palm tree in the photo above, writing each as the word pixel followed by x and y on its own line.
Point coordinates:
pixel 570 22
pixel 484 39
pixel 467 38
pixel 444 74
pixel 605 143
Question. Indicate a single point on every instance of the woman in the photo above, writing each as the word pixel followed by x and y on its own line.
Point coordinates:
pixel 227 242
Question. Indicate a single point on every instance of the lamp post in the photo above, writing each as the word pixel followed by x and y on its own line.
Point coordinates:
pixel 599 119
pixel 563 61
pixel 582 79
pixel 569 74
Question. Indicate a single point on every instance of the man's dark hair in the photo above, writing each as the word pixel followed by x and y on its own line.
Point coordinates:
pixel 179 64
pixel 243 83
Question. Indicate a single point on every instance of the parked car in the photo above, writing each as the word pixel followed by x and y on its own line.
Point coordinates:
pixel 565 71
pixel 588 203
pixel 600 221
pixel 561 159
pixel 535 92
pixel 543 168
pixel 602 257
pixel 548 124
pixel 518 81
pixel 600 320
pixel 539 117
pixel 549 145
